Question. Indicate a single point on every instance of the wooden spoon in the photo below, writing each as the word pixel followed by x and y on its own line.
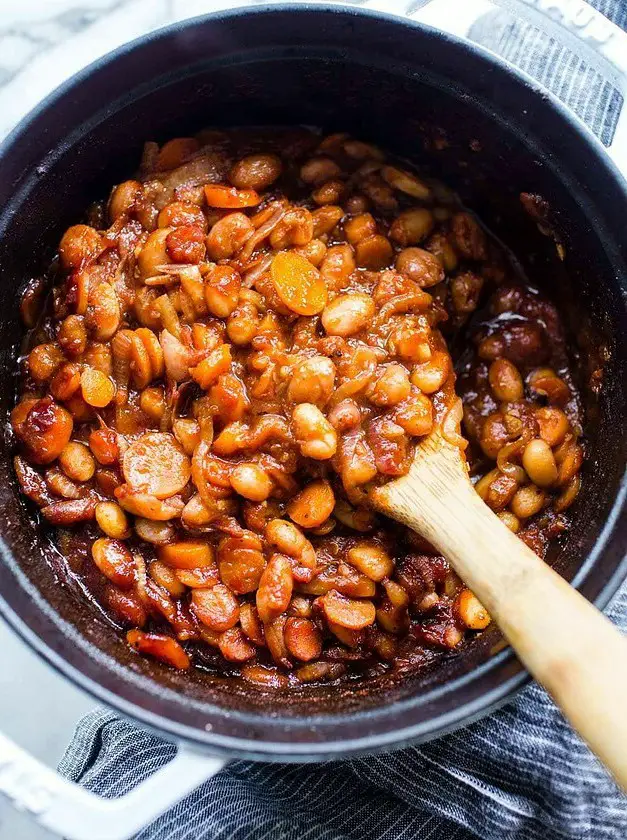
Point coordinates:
pixel 565 642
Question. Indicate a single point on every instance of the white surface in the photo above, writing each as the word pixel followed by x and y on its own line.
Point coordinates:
pixel 38 710
pixel 74 813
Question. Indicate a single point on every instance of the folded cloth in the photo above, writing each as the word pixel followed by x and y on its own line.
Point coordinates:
pixel 519 774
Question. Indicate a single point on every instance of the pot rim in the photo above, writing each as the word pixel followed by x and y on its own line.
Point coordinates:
pixel 513 678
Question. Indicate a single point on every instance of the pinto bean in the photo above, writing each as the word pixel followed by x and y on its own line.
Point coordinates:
pixel 251 624
pixel 312 381
pixel 468 236
pixel 80 245
pixel 337 266
pixel 420 266
pixel 302 639
pixel 392 387
pixel 228 235
pixel 112 520
pixel 201 578
pixel 320 671
pixel 102 316
pixel 123 199
pixel 415 415
pixel 216 607
pixel 77 462
pixel 256 172
pixel 147 506
pixel 315 435
pixel 348 314
pixel 275 588
pixel 126 605
pixel 505 381
pixel 471 611
pixel 325 219
pixel 181 214
pixel 371 560
pixel 347 612
pixel 234 646
pixel 318 170
pixel 291 541
pixel 412 226
pixel 406 182
pixel 72 335
pixel 115 561
pixel 539 463
pixel 156 533
pixel 251 482
pixel 494 435
pixel 222 290
pixel 43 361
pixel 527 501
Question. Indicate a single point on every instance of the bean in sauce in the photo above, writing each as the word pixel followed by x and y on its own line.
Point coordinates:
pixel 246 339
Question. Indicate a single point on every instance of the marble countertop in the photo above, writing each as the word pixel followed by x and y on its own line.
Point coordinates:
pixel 44 42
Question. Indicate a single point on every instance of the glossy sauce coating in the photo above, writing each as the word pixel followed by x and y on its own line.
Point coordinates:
pixel 242 342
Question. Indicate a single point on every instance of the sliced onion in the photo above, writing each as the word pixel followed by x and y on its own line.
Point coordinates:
pixel 140 576
pixel 177 357
pixel 204 169
pixel 403 303
pixel 451 425
pixel 261 233
pixel 198 475
pixel 260 267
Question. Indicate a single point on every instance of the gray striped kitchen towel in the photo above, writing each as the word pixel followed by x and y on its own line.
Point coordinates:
pixel 520 774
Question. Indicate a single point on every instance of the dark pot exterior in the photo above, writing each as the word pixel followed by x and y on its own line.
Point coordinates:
pixel 399 84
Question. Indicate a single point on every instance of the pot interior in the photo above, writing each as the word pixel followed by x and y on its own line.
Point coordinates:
pixel 408 90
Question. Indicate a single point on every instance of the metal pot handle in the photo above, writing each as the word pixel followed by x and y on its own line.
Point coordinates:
pixel 573 23
pixel 76 814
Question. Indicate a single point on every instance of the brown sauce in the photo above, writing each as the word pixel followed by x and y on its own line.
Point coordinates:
pixel 238 346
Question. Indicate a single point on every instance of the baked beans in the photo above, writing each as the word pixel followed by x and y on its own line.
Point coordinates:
pixel 238 345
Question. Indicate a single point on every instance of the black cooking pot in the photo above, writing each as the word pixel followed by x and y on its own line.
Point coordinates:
pixel 444 104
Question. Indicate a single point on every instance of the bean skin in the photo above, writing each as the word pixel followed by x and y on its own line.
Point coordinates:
pixel 275 588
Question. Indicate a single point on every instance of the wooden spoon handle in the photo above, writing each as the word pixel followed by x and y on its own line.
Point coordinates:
pixel 565 642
